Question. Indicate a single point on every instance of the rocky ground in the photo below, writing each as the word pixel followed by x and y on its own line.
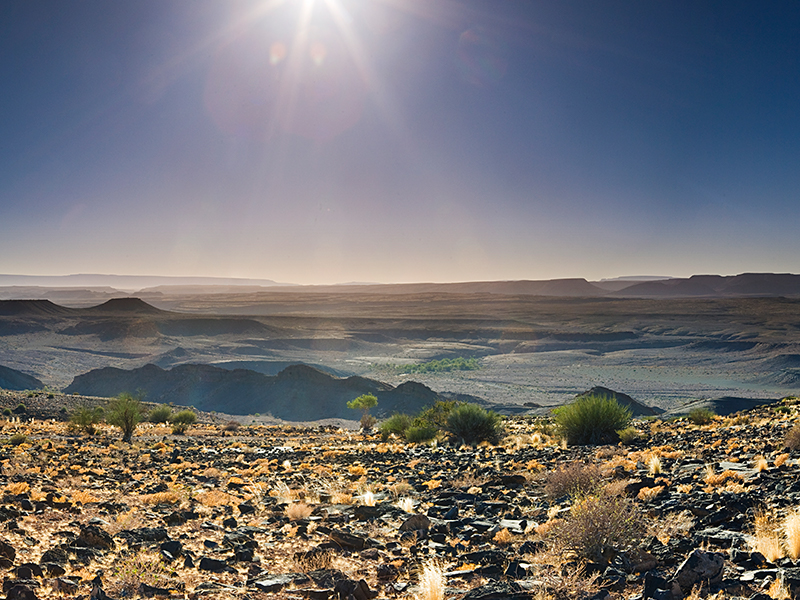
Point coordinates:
pixel 257 511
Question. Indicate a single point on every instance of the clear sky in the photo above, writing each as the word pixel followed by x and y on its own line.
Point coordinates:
pixel 325 141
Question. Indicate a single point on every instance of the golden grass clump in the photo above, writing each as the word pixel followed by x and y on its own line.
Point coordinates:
pixel 778 590
pixel 357 470
pixel 717 479
pixel 431 582
pixel 648 494
pixel 83 497
pixel 21 487
pixel 168 497
pixel 760 464
pixel 405 504
pixel 298 510
pixel 213 498
pixel 781 459
pixel 791 534
pixel 766 537
pixel 503 537
pixel 654 465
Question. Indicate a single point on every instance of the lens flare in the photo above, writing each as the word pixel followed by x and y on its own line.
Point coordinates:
pixel 318 52
pixel 277 52
pixel 481 57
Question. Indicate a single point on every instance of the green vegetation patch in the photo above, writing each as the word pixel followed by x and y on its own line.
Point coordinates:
pixel 444 365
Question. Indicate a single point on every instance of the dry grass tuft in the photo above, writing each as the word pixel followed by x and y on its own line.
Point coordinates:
pixel 572 479
pixel 781 458
pixel 168 497
pixel 648 494
pixel 213 498
pixel 21 487
pixel 83 497
pixel 760 464
pixel 791 534
pixel 766 537
pixel 298 510
pixel 431 582
pixel 778 591
pixel 405 504
pixel 503 537
pixel 792 440
pixel 654 465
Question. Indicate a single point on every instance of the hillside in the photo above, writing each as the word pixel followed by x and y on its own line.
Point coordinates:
pixel 11 379
pixel 297 393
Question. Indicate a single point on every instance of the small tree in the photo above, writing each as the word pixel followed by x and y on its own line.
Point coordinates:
pixel 363 403
pixel 125 412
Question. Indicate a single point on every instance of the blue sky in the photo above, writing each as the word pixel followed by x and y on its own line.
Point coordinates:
pixel 324 141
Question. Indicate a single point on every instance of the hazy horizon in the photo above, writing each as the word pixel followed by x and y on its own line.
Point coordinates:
pixel 399 141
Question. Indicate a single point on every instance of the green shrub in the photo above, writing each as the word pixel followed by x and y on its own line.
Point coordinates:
pixel 181 421
pixel 125 412
pixel 592 420
pixel 700 416
pixel 472 424
pixel 160 414
pixel 7 412
pixel 437 415
pixel 598 527
pixel 418 434
pixel 397 424
pixel 20 409
pixel 17 439
pixel 85 418
pixel 629 435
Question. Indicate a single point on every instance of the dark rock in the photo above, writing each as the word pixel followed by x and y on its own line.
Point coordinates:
pixel 144 534
pixel 93 536
pixel 7 551
pixel 348 540
pixel 348 589
pixel 387 572
pixel 21 592
pixel 64 586
pixel 416 523
pixel 150 591
pixel 230 523
pixel 274 584
pixel 212 564
pixel 700 567
pixel 247 509
pixel 173 547
pixel 505 590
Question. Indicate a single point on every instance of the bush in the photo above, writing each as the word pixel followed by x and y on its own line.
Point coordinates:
pixel 17 439
pixel 85 418
pixel 700 416
pixel 472 424
pixel 160 414
pixel 792 440
pixel 629 435
pixel 20 409
pixel 125 412
pixel 181 421
pixel 437 414
pixel 7 412
pixel 397 424
pixel 417 434
pixel 592 420
pixel 574 479
pixel 597 527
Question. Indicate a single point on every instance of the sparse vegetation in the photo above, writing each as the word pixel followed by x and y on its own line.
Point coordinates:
pixel 592 420
pixel 17 439
pixel 700 416
pixel 125 412
pixel 444 365
pixel 574 479
pixel 629 435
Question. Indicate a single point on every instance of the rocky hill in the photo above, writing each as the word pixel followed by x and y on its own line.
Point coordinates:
pixel 11 379
pixel 297 393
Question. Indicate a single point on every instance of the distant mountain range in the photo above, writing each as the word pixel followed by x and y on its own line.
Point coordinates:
pixel 88 290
